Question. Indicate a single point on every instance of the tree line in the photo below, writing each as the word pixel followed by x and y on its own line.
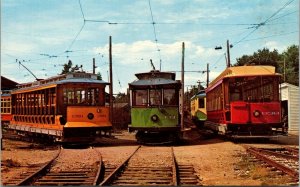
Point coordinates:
pixel 285 63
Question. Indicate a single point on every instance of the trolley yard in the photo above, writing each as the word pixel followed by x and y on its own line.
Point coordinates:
pixel 200 162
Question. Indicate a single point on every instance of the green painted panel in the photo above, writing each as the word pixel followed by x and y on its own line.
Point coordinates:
pixel 167 117
pixel 201 116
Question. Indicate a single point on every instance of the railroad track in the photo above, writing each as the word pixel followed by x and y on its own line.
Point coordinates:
pixel 31 174
pixel 55 173
pixel 152 173
pixel 282 159
pixel 78 174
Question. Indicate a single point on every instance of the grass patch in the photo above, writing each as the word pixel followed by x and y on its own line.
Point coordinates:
pixel 248 168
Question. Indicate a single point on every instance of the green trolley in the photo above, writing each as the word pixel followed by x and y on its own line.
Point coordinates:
pixel 154 100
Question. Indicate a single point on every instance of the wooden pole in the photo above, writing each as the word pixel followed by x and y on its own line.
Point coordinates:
pixel 207 78
pixel 94 66
pixel 182 89
pixel 111 82
pixel 284 70
pixel 228 54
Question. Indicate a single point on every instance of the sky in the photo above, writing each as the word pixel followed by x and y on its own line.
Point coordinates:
pixel 44 35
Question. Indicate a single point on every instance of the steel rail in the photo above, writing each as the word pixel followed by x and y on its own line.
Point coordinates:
pixel 43 169
pixel 273 163
pixel 100 170
pixel 174 169
pixel 110 177
pixel 282 155
pixel 292 149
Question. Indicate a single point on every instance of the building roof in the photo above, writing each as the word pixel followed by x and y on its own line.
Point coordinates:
pixel 7 84
pixel 285 84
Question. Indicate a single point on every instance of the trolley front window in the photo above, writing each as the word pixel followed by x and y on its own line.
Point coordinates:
pixel 155 97
pixel 140 97
pixel 254 89
pixel 201 103
pixel 170 97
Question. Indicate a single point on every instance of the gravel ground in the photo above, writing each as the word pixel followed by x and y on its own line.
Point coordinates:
pixel 17 156
pixel 76 159
pixel 215 160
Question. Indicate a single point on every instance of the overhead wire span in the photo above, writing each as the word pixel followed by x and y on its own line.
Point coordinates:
pixel 81 10
pixel 154 31
pixel 264 22
pixel 218 60
pixel 275 35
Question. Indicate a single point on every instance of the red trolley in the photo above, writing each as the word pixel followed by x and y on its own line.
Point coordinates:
pixel 245 101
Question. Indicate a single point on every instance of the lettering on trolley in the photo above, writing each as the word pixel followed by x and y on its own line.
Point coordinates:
pixel 77 116
pixel 274 113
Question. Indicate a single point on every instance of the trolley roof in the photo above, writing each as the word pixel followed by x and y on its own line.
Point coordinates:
pixel 245 71
pixel 200 94
pixel 78 77
pixel 154 77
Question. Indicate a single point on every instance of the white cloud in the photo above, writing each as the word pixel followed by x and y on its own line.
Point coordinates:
pixel 19 47
pixel 271 45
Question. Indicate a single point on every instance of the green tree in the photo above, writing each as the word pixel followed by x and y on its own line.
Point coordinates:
pixel 122 98
pixel 68 68
pixel 273 58
pixel 290 58
pixel 99 76
pixel 261 57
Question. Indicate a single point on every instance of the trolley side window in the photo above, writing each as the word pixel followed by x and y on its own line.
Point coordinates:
pixel 155 97
pixel 5 106
pixel 140 98
pixel 81 96
pixel 170 97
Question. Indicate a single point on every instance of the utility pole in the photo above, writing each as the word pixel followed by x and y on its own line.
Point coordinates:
pixel 111 82
pixel 284 70
pixel 182 88
pixel 228 54
pixel 94 66
pixel 207 73
pixel 159 64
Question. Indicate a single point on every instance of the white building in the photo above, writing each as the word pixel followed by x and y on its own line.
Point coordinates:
pixel 290 102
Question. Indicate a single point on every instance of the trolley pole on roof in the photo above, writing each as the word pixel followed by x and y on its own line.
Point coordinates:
pixel 182 88
pixel 111 82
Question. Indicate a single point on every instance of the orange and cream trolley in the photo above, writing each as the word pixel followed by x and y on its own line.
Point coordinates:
pixel 67 108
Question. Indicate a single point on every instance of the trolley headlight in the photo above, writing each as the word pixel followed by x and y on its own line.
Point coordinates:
pixel 90 116
pixel 256 113
pixel 154 118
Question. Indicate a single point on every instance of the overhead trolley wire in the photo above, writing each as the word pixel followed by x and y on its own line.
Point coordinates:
pixel 264 22
pixel 154 31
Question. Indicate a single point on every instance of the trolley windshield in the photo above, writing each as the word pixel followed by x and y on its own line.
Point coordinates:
pixel 254 89
pixel 155 97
